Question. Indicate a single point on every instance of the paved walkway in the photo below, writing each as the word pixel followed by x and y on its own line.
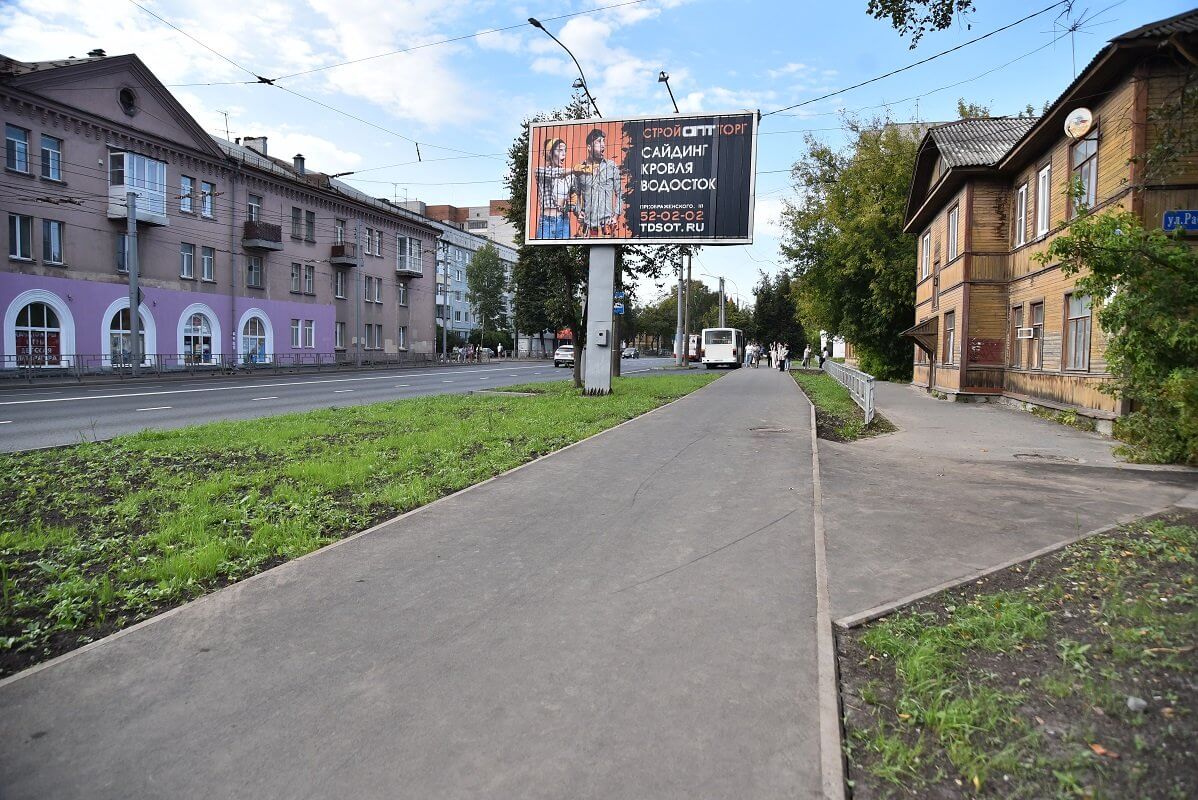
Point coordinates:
pixel 963 487
pixel 645 629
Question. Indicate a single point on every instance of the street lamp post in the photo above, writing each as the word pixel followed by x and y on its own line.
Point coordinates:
pixel 664 77
pixel 533 21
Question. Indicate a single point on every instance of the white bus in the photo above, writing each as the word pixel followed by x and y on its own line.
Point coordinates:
pixel 723 347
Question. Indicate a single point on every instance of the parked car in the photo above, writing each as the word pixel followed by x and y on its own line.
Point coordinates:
pixel 564 356
pixel 630 352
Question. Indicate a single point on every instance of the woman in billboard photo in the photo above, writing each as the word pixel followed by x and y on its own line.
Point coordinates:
pixel 555 187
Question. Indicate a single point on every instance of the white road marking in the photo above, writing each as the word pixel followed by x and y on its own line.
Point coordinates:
pixel 155 408
pixel 247 386
pixel 272 397
pixel 341 391
pixel 402 386
pixel 484 379
pixel 5 421
pixel 446 381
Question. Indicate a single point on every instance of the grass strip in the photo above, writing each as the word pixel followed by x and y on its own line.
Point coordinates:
pixel 838 418
pixel 1070 676
pixel 97 536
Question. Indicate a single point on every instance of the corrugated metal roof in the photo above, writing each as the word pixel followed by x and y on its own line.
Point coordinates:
pixel 1185 22
pixel 979 142
pixel 10 66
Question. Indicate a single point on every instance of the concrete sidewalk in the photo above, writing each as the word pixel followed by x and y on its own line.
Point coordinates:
pixel 961 488
pixel 646 629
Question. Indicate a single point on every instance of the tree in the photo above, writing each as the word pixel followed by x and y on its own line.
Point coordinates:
pixel 972 110
pixel 914 18
pixel 485 286
pixel 854 268
pixel 775 318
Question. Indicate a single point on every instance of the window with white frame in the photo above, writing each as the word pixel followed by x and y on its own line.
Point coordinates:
pixel 253 340
pixel 38 336
pixel 187 254
pixel 253 208
pixel 954 225
pixel 338 283
pixel 1077 332
pixel 208 263
pixel 309 334
pixel 120 338
pixel 338 231
pixel 925 256
pixel 16 148
pixel 1035 357
pixel 1021 216
pixel 297 223
pixel 409 254
pixel 295 334
pixel 137 173
pixel 207 193
pixel 295 277
pixel 1016 343
pixel 122 253
pixel 401 293
pixel 52 241
pixel 309 279
pixel 51 158
pixel 366 242
pixel 950 337
pixel 20 237
pixel 187 190
pixel 401 338
pixel 1043 199
pixel 309 226
pixel 197 340
pixel 339 335
pixel 253 272
pixel 1085 170
pixel 378 243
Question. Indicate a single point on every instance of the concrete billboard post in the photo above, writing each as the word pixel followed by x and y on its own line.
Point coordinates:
pixel 682 179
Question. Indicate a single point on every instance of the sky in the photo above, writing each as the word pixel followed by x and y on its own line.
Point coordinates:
pixel 465 99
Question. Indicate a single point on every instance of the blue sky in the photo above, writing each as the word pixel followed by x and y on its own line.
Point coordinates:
pixel 470 96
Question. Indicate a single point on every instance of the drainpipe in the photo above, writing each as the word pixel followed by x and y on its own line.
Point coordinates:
pixel 233 262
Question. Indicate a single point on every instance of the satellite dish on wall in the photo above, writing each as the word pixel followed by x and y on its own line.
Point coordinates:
pixel 1078 123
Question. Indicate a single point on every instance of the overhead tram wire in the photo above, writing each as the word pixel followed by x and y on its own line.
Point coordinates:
pixel 171 25
pixel 920 62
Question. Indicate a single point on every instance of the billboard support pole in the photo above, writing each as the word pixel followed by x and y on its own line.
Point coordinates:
pixel 600 288
pixel 723 322
pixel 678 332
pixel 686 315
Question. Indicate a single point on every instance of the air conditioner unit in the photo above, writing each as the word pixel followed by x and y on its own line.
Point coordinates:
pixel 1025 333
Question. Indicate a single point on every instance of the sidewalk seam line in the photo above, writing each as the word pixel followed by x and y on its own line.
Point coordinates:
pixel 869 615
pixel 225 590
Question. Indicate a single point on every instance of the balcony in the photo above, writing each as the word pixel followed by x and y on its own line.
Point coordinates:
pixel 258 235
pixel 409 265
pixel 344 254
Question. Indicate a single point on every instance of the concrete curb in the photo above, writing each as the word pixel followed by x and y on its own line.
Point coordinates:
pixel 36 668
pixel 831 755
pixel 869 615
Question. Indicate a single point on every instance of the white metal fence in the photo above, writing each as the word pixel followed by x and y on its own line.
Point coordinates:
pixel 860 385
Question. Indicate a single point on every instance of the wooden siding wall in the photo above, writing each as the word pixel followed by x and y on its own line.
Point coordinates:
pixel 1164 85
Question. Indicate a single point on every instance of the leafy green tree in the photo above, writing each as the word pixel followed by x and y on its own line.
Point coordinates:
pixel 914 18
pixel 486 283
pixel 972 110
pixel 775 318
pixel 1145 287
pixel 854 268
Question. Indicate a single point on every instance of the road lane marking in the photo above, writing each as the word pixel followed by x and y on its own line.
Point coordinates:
pixel 484 379
pixel 155 408
pixel 272 397
pixel 341 391
pixel 247 386
pixel 5 421
pixel 402 386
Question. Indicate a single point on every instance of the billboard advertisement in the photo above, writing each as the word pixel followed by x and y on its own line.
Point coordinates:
pixel 682 179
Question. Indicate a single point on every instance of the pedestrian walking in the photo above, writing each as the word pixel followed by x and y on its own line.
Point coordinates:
pixel 499 349
pixel 783 352
pixel 806 356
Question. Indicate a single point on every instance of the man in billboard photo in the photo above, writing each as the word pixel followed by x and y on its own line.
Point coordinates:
pixel 555 185
pixel 598 185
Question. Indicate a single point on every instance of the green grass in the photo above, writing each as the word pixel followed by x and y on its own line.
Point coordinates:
pixel 100 535
pixel 836 408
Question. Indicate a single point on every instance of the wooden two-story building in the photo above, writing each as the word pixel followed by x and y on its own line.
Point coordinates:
pixel 990 194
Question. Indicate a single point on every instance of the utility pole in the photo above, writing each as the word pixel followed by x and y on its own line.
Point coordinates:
pixel 135 354
pixel 679 334
pixel 686 315
pixel 361 281
pixel 723 324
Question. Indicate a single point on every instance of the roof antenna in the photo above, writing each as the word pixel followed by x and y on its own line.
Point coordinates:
pixel 228 138
pixel 418 158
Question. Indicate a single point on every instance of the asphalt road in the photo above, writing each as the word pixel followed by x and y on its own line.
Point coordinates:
pixel 58 415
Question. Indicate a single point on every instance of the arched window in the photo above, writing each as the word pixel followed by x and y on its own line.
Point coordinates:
pixel 253 341
pixel 119 341
pixel 197 340
pixel 38 336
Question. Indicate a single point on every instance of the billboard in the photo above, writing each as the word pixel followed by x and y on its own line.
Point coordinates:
pixel 682 179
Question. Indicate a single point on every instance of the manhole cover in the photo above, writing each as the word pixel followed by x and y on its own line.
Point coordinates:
pixel 1052 459
pixel 769 430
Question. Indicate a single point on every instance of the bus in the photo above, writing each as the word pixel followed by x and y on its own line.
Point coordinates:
pixel 696 347
pixel 723 347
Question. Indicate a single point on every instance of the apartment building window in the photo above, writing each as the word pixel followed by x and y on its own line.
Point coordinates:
pixel 1077 332
pixel 476 225
pixel 339 231
pixel 122 253
pixel 310 279
pixel 401 338
pixel 295 334
pixel 207 193
pixel 1043 199
pixel 52 241
pixel 339 335
pixel 1021 216
pixel 378 243
pixel 253 208
pixel 187 190
pixel 207 263
pixel 146 176
pixel 253 272
pixel 339 284
pixel 369 238
pixel 16 148
pixel 1035 357
pixel 297 223
pixel 457 316
pixel 310 334
pixel 374 289
pixel 409 254
pixel 187 254
pixel 295 277
pixel 950 337
pixel 925 256
pixel 954 225
pixel 1085 170
pixel 401 293
pixel 51 158
pixel 1016 342
pixel 309 226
